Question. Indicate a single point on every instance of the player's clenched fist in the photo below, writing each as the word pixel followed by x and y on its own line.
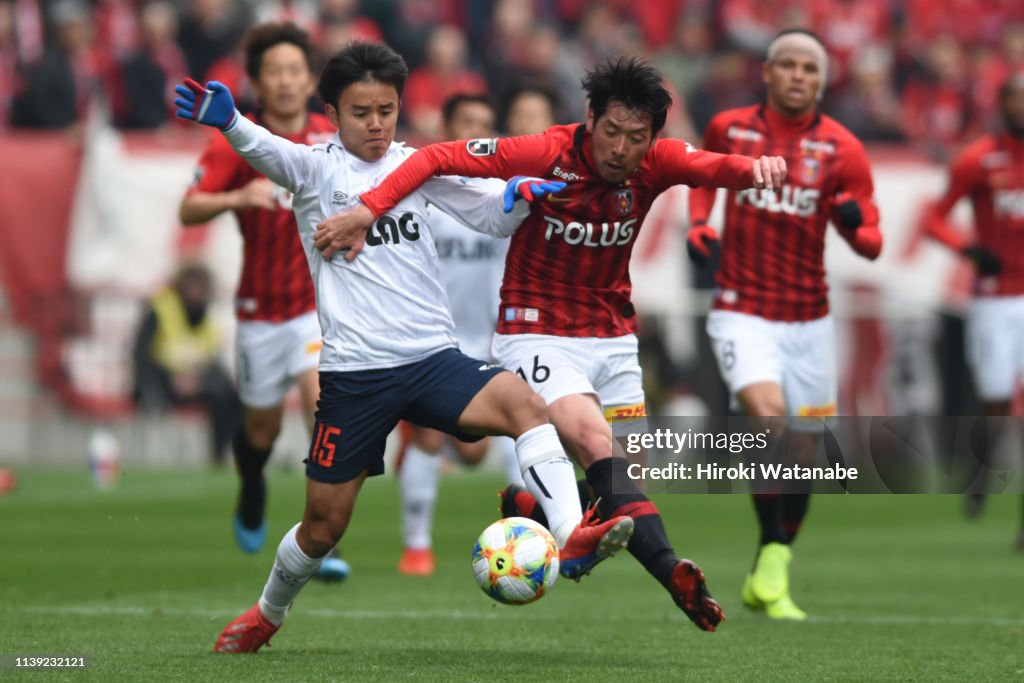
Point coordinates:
pixel 769 172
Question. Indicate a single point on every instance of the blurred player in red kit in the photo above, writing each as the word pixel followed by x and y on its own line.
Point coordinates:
pixel 990 172
pixel 278 342
pixel 770 327
pixel 566 322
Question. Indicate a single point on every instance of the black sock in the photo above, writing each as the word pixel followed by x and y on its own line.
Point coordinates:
pixel 619 496
pixel 586 495
pixel 794 509
pixel 249 461
pixel 769 517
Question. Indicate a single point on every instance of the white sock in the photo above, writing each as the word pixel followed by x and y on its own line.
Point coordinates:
pixel 292 569
pixel 418 481
pixel 550 477
pixel 509 459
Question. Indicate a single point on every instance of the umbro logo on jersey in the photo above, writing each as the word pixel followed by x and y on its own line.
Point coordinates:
pixel 482 147
pixel 339 197
pixel 485 368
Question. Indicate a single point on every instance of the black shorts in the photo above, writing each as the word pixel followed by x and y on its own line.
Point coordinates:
pixel 357 410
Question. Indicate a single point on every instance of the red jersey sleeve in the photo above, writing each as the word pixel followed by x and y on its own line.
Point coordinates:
pixel 219 168
pixel 962 178
pixel 529 155
pixel 702 198
pixel 678 163
pixel 854 183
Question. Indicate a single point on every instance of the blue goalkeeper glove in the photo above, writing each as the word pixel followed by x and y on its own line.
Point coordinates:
pixel 211 106
pixel 530 189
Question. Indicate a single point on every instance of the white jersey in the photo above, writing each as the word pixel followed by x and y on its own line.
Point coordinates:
pixel 388 306
pixel 471 268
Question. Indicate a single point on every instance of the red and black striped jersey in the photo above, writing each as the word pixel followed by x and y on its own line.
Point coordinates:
pixel 567 269
pixel 990 172
pixel 773 244
pixel 275 283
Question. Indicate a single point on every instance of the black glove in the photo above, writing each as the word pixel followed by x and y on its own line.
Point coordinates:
pixel 985 261
pixel 848 215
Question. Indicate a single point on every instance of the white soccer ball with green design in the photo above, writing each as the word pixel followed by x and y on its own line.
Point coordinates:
pixel 515 561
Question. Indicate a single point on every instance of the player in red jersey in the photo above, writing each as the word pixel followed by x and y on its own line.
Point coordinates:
pixel 566 323
pixel 278 340
pixel 770 326
pixel 990 172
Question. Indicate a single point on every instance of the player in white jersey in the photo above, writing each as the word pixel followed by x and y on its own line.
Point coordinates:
pixel 389 349
pixel 471 268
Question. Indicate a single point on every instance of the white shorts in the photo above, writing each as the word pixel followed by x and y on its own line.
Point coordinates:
pixel 271 355
pixel 995 345
pixel 556 367
pixel 798 356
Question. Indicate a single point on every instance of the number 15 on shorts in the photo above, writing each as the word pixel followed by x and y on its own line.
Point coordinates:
pixel 322 451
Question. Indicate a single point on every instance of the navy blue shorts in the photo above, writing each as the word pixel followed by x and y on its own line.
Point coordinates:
pixel 357 410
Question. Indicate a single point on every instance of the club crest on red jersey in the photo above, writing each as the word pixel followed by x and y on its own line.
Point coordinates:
pixel 482 147
pixel 810 170
pixel 622 201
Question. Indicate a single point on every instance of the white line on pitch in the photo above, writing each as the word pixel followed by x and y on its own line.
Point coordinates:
pixel 134 610
pixel 127 610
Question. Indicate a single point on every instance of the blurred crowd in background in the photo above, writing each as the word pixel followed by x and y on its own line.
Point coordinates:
pixel 923 72
pixel 920 75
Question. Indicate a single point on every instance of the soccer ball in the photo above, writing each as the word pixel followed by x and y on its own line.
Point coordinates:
pixel 515 561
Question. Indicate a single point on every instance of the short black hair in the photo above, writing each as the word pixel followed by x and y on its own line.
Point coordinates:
pixel 632 82
pixel 554 102
pixel 452 104
pixel 361 61
pixel 261 38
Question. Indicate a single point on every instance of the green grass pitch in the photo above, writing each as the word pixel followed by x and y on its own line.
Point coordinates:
pixel 143 578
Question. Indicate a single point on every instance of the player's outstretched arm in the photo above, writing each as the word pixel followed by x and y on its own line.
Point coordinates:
pixel 526 155
pixel 495 212
pixel 487 158
pixel 290 165
pixel 680 164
